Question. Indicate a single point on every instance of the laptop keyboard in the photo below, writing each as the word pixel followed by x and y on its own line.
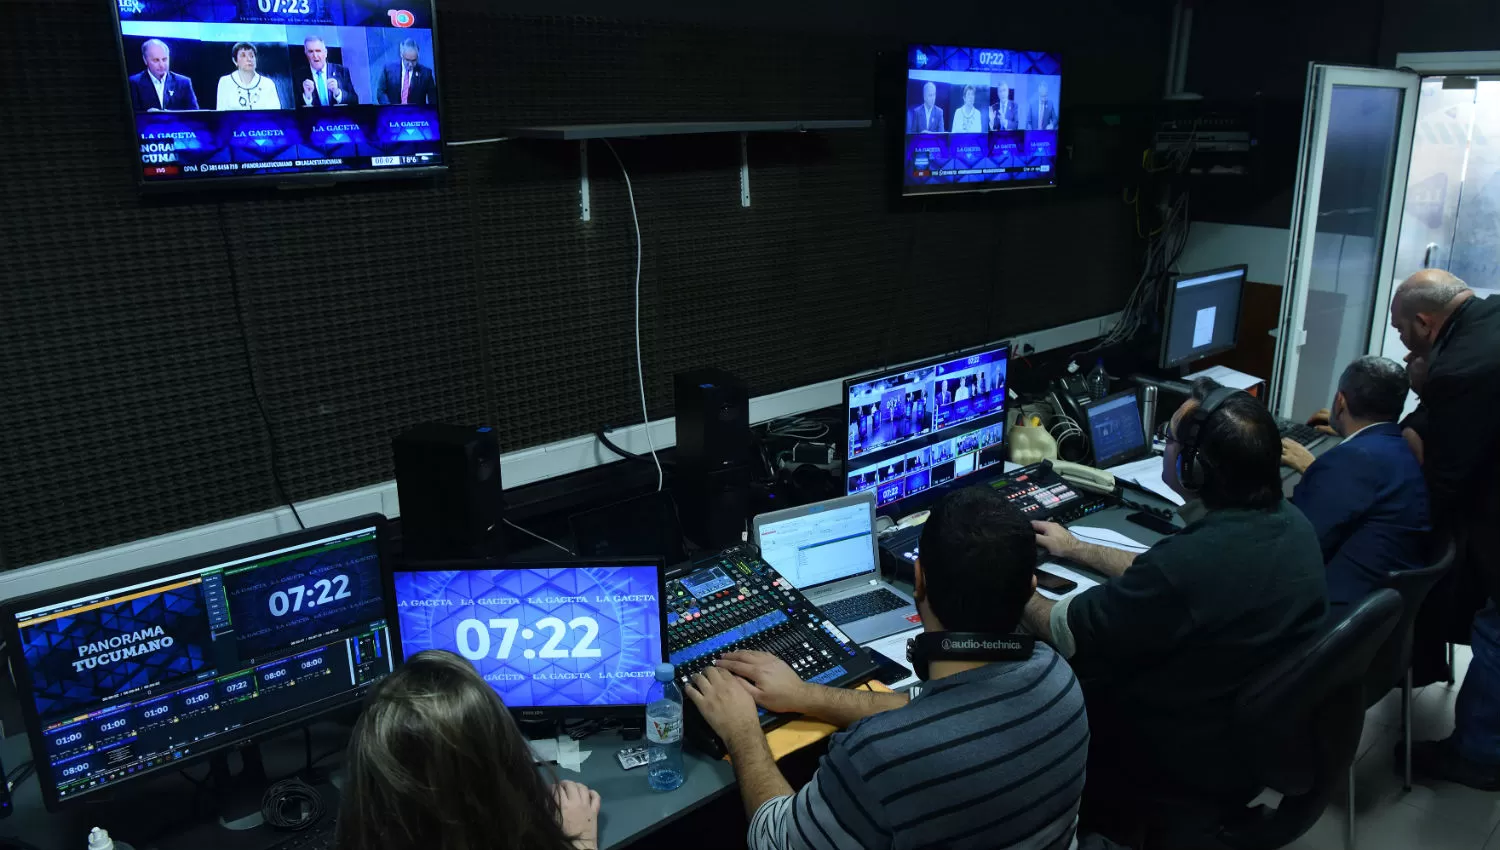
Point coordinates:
pixel 859 607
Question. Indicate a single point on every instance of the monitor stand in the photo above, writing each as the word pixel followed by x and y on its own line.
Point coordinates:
pixel 237 796
pixel 234 820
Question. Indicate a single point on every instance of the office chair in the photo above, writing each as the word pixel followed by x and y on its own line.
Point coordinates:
pixel 1392 664
pixel 1299 722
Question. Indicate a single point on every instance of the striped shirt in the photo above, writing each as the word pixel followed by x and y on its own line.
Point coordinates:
pixel 991 757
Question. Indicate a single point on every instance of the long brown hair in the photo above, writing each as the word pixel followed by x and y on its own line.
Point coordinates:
pixel 436 761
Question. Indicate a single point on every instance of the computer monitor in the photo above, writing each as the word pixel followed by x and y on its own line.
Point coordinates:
pixel 1203 315
pixel 1115 430
pixel 147 671
pixel 915 430
pixel 555 639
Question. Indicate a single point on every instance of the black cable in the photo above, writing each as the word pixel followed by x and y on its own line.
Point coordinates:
pixel 603 437
pixel 19 775
pixel 260 405
pixel 291 805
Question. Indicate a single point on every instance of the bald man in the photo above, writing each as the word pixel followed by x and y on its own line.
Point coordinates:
pixel 1454 339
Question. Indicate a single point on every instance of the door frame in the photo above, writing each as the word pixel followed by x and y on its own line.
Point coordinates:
pixel 1291 335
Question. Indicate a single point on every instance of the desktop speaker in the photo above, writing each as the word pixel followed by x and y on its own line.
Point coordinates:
pixel 712 475
pixel 448 480
pixel 713 420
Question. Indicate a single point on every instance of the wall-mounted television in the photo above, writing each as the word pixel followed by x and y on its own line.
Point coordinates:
pixel 978 119
pixel 281 91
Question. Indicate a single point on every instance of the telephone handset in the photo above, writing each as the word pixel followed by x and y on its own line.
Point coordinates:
pixel 1085 477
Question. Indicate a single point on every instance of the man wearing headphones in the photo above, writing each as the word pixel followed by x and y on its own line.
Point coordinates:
pixel 1163 648
pixel 990 754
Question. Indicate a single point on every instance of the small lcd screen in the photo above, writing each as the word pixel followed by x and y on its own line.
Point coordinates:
pixel 542 637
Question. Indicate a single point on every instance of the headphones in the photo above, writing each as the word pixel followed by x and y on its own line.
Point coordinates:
pixel 1194 470
pixel 928 647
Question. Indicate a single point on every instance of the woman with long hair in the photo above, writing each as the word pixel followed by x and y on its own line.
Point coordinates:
pixel 436 761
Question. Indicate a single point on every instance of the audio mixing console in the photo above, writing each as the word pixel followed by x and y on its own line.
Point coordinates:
pixel 735 600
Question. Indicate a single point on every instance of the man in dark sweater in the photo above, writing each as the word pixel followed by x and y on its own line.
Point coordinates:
pixel 990 754
pixel 1454 340
pixel 1163 647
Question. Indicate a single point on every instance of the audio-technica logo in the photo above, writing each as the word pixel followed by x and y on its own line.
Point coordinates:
pixel 949 644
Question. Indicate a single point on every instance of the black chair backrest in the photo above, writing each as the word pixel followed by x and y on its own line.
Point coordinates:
pixel 1299 721
pixel 1280 714
pixel 1389 666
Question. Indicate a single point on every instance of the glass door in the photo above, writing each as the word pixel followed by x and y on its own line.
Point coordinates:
pixel 1357 128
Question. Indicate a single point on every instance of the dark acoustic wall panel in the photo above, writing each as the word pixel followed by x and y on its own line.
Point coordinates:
pixel 126 407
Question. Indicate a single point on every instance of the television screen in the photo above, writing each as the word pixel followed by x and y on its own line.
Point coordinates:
pixel 290 90
pixel 921 428
pixel 979 119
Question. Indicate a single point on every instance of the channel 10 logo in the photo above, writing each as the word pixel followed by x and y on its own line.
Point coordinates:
pixel 401 18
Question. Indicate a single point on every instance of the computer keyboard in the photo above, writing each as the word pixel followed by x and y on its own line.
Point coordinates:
pixel 319 837
pixel 1298 433
pixel 859 607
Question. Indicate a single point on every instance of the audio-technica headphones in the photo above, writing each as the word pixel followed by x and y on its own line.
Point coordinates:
pixel 928 647
pixel 1194 470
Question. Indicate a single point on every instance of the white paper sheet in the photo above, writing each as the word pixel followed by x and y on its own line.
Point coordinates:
pixel 1107 537
pixel 894 648
pixel 1226 376
pixel 1147 473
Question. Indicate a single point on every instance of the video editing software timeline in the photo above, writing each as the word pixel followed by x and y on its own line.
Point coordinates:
pixel 543 636
pixel 979 119
pixel 927 426
pixel 247 88
pixel 136 677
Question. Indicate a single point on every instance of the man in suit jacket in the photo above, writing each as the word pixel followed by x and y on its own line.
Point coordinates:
pixel 927 118
pixel 318 72
pixel 1041 115
pixel 1003 115
pixel 1454 339
pixel 1365 497
pixel 157 88
pixel 407 81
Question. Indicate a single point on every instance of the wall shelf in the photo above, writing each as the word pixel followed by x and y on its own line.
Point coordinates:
pixel 583 132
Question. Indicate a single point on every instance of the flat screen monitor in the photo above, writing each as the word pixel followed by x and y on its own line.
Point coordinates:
pixel 979 119
pixel 147 671
pixel 922 428
pixel 285 91
pixel 1203 315
pixel 1116 433
pixel 557 639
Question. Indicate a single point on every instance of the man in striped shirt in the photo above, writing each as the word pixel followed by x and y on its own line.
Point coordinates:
pixel 990 754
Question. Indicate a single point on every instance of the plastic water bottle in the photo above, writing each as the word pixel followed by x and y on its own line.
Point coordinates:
pixel 664 731
pixel 1098 380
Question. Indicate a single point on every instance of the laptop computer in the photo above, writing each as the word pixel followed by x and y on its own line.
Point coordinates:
pixel 1115 430
pixel 828 551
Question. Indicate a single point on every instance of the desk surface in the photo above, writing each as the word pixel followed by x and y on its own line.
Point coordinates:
pixel 629 809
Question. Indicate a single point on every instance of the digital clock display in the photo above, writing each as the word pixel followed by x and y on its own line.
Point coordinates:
pixel 580 636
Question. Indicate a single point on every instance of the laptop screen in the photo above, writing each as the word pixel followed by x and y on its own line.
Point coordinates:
pixel 821 547
pixel 1115 429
